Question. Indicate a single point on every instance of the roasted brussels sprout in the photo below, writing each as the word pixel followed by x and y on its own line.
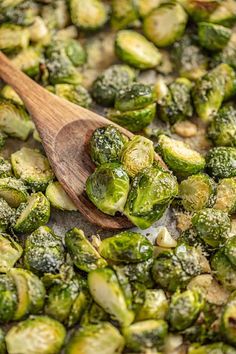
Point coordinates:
pixel 197 192
pixel 226 195
pixel 83 254
pixel 6 215
pixel 151 192
pixel 155 306
pixel 200 10
pixel 184 309
pixel 135 50
pixel 10 94
pixel 221 162
pixel 43 251
pixel 123 13
pixel 155 28
pixel 228 320
pixel 220 348
pixel 8 303
pixel 144 7
pixel 22 13
pixel 13 191
pixel 222 130
pixel 10 250
pixel 28 60
pixel 224 14
pixel 13 37
pixel 137 154
pixel 110 82
pixel 38 334
pixel 106 145
pixel 213 37
pixel 5 168
pixel 38 30
pixel 89 17
pixel 108 188
pixel 58 197
pixel 74 93
pixel 227 55
pixel 180 157
pixel 103 336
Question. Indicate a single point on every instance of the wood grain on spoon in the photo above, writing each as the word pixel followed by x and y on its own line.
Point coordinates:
pixel 65 129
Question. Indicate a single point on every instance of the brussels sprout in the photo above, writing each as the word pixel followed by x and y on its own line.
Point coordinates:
pixel 144 7
pixel 127 247
pixel 107 293
pixel 76 94
pixel 224 14
pixel 13 191
pixel 137 154
pixel 213 348
pixel 38 334
pixel 43 251
pixel 78 308
pixel 38 30
pixel 134 49
pixel 197 192
pixel 151 192
pixel 211 90
pixel 176 104
pixel 14 121
pixel 180 157
pixel 221 162
pixel 83 254
pixel 136 272
pixel 222 130
pixel 123 13
pixel 110 82
pixel 6 215
pixel 10 94
pixel 22 13
pixel 8 298
pixel 155 24
pixel 230 248
pixel 200 10
pixel 103 337
pixel 90 16
pixel 155 306
pixel 134 120
pixel 2 342
pixel 145 334
pixel 35 212
pixel 184 309
pixel 226 195
pixel 28 60
pixel 213 37
pixel 227 55
pixel 108 188
pixel 228 320
pixel 13 37
pixel 10 251
pixel 58 197
pixel 106 145
pixel 55 14
pixel 224 270
pixel 32 167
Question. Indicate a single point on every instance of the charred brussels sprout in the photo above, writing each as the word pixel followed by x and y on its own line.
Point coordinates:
pixel 222 130
pixel 151 192
pixel 155 24
pixel 58 197
pixel 13 191
pixel 10 250
pixel 6 215
pixel 74 93
pixel 13 37
pixel 221 162
pixel 8 302
pixel 200 10
pixel 197 192
pixel 135 50
pixel 38 334
pixel 32 167
pixel 5 168
pixel 213 37
pixel 155 305
pixel 107 293
pixel 103 336
pixel 226 195
pixel 180 157
pixel 228 320
pixel 43 251
pixel 137 154
pixel 108 188
pixel 106 145
pixel 184 309
pixel 127 247
pixel 112 80
pixel 83 254
pixel 219 347
pixel 123 13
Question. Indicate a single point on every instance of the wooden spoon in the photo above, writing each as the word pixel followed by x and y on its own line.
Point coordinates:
pixel 65 130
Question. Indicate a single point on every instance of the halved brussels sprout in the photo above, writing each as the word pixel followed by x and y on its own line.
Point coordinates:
pixel 123 13
pixel 151 192
pixel 8 302
pixel 35 212
pixel 134 120
pixel 9 93
pixel 78 308
pixel 224 270
pixel 38 30
pixel 144 7
pixel 110 82
pixel 145 334
pixel 224 14
pixel 126 247
pixel 58 197
pixel 137 154
pixel 6 215
pixel 83 254
pixel 222 130
pixel 134 49
pixel 200 10
pixel 221 162
pixel 10 251
pixel 74 93
pixel 155 306
pixel 44 251
pixel 180 157
pixel 184 309
pixel 28 60
pixel 219 347
pixel 13 37
pixel 212 36
pixel 226 195
pixel 107 293
pixel 165 24
pixel 227 55
pixel 197 192
pixel 13 191
pixel 32 167
pixel 228 318
pixel 108 188
pixel 103 337
pixel 38 334
pixel 88 16
pixel 22 13
pixel 106 145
